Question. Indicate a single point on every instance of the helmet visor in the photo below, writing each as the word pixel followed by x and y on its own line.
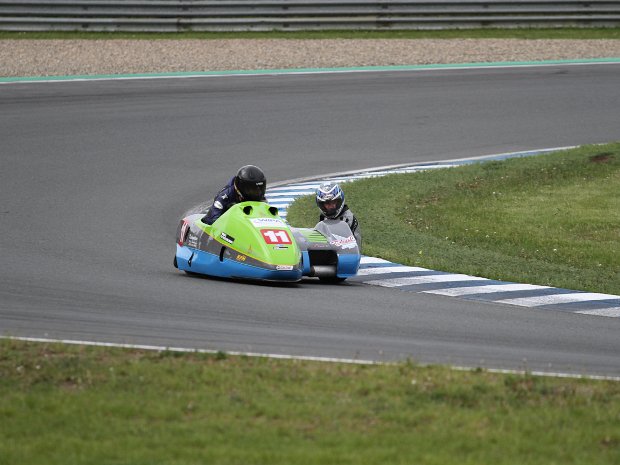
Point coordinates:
pixel 330 207
pixel 252 190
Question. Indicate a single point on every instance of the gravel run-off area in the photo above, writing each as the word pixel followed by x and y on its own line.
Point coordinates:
pixel 89 57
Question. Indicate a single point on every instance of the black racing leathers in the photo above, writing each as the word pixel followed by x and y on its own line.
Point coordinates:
pixel 224 199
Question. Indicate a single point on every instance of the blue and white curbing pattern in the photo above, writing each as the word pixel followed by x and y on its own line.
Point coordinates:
pixel 379 272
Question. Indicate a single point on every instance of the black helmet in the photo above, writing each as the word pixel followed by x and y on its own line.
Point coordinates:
pixel 251 183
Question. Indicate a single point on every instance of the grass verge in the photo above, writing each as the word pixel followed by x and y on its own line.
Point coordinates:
pixel 532 33
pixel 70 405
pixel 551 220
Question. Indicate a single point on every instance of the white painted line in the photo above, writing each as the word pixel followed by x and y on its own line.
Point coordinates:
pixel 389 269
pixel 185 349
pixel 294 357
pixel 295 187
pixel 489 289
pixel 271 199
pixel 287 194
pixel 417 166
pixel 544 373
pixel 365 260
pixel 613 312
pixel 557 299
pixel 279 203
pixel 353 178
pixel 375 174
pixel 284 199
pixel 312 183
pixel 346 179
pixel 442 278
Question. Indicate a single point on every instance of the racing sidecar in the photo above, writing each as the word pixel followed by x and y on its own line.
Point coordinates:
pixel 250 241
pixel 329 251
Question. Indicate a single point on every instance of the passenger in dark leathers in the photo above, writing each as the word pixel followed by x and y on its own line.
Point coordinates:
pixel 330 200
pixel 249 184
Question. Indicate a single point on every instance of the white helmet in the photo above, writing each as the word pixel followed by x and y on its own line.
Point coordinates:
pixel 330 199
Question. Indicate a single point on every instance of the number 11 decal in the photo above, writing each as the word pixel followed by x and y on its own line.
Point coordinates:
pixel 276 236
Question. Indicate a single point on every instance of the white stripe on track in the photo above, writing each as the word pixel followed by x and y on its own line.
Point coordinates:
pixel 279 204
pixel 200 351
pixel 389 269
pixel 489 289
pixel 287 194
pixel 283 199
pixel 613 312
pixel 295 187
pixel 282 196
pixel 557 299
pixel 442 278
pixel 365 260
pixel 299 357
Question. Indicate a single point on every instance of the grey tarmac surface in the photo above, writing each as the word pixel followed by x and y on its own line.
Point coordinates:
pixel 95 176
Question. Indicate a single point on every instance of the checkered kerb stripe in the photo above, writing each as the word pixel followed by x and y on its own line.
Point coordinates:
pixel 378 272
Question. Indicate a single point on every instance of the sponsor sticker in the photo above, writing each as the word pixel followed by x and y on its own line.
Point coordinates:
pixel 183 233
pixel 240 258
pixel 284 267
pixel 276 236
pixel 267 222
pixel 280 247
pixel 343 242
pixel 227 238
pixel 192 240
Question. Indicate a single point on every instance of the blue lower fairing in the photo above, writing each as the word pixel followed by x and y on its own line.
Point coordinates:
pixel 201 262
pixel 305 259
pixel 347 265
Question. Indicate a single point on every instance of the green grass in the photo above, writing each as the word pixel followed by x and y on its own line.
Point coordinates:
pixel 84 405
pixel 550 220
pixel 534 33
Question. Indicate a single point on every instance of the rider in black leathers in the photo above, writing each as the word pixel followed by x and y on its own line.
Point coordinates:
pixel 248 184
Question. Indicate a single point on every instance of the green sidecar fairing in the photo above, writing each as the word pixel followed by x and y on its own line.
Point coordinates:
pixel 251 241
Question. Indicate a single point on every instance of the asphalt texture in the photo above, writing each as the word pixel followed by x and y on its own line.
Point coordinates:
pixel 95 176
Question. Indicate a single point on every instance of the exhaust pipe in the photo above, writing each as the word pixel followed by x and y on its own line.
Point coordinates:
pixel 323 271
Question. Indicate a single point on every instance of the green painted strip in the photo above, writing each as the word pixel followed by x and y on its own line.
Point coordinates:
pixel 308 70
pixel 313 236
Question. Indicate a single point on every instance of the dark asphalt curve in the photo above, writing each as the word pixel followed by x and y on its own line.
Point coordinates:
pixel 95 175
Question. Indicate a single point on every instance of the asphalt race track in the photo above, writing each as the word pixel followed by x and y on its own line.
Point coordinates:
pixel 95 175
